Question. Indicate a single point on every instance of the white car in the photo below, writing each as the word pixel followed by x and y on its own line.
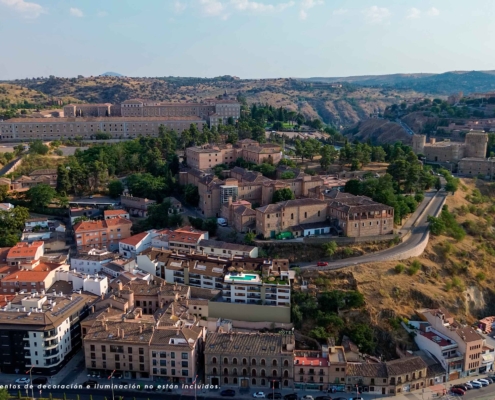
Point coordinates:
pixel 307 397
pixel 484 382
pixel 23 381
pixel 476 384
pixel 259 395
pixel 468 385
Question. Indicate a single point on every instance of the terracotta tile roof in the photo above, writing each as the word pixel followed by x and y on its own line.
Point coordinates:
pixel 405 366
pixel 114 212
pixel 89 226
pixel 26 276
pixel 377 370
pixel 43 172
pixel 109 120
pixel 244 211
pixel 22 250
pixel 247 343
pixel 134 240
pixel 118 221
pixel 468 334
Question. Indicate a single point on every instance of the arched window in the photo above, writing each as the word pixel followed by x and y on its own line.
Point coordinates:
pixel 214 360
pixel 253 381
pixel 244 361
pixel 274 363
pixel 214 371
pixel 286 363
pixel 226 380
pixel 263 362
pixel 274 372
pixel 235 381
pixel 225 371
pixel 253 372
pixel 244 372
pixel 234 360
pixel 225 360
pixel 286 383
pixel 253 361
pixel 286 374
pixel 234 371
pixel 263 383
pixel 263 372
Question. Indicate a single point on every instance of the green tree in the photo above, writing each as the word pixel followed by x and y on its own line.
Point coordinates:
pixel 115 188
pixel 283 195
pixel 330 248
pixel 63 180
pixel 364 337
pixel 328 155
pixel 37 147
pixel 438 184
pixel 4 190
pixel 249 238
pixel 288 175
pixel 41 195
pixel 82 218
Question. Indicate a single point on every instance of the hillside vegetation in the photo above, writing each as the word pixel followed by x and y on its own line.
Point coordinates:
pixel 456 271
pixel 343 105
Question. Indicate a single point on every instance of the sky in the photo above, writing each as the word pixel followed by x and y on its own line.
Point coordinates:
pixel 244 38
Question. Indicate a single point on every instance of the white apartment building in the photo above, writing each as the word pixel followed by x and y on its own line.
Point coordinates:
pixel 91 262
pixel 95 284
pixel 136 244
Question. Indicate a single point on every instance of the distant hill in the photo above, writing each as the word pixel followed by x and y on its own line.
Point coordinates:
pixel 112 74
pixel 436 84
pixel 339 105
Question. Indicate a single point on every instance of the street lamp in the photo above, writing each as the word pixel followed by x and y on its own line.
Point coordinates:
pixel 194 383
pixel 111 377
pixel 31 380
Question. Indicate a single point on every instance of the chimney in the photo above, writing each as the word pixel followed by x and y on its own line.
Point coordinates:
pixel 103 296
pixel 108 309
pixel 118 332
pixel 120 285
pixel 92 309
pixel 178 331
pixel 106 326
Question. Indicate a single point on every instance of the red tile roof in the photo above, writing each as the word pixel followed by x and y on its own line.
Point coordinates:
pixel 118 221
pixel 89 226
pixel 298 361
pixel 22 249
pixel 26 276
pixel 134 240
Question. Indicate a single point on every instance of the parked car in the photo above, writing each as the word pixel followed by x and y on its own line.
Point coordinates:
pixel 461 386
pixel 259 395
pixel 22 381
pixel 321 263
pixel 356 398
pixel 483 382
pixel 291 396
pixel 323 398
pixel 41 380
pixel 274 396
pixel 227 393
pixel 476 384
pixel 458 391
pixel 90 384
pixel 468 385
pixel 490 380
pixel 307 397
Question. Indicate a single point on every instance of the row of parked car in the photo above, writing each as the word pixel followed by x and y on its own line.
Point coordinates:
pixel 291 396
pixel 461 388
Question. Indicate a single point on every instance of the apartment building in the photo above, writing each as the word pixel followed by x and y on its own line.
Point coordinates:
pixel 145 330
pixel 102 234
pixel 389 378
pixel 41 331
pixel 69 128
pixel 25 254
pixel 136 244
pixel 207 156
pixel 470 343
pixel 320 370
pixel 137 206
pixel 224 249
pixel 444 349
pixel 253 281
pixel 249 360
pixel 88 110
pixel 91 261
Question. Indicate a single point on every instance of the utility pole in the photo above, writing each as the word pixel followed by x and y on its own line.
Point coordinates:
pixel 111 377
pixel 31 380
pixel 194 383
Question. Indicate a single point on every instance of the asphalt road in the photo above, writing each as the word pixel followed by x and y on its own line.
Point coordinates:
pixel 486 393
pixel 419 234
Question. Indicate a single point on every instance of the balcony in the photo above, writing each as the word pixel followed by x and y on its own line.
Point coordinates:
pixel 51 353
pixel 50 344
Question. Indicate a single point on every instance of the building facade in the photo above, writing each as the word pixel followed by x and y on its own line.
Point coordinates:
pixel 102 234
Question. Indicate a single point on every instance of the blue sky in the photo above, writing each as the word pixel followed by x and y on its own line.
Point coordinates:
pixel 249 39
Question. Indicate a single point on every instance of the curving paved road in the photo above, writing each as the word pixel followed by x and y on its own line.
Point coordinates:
pixel 419 234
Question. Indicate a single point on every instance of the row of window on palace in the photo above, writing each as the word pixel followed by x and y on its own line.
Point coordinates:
pixel 130 350
pixel 245 361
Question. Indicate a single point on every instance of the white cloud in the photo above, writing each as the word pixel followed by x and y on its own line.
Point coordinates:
pixel 306 5
pixel 179 7
pixel 340 11
pixel 27 9
pixel 253 6
pixel 76 12
pixel 212 8
pixel 433 12
pixel 413 13
pixel 101 14
pixel 376 15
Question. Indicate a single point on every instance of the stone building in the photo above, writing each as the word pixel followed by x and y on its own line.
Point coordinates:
pixel 87 110
pixel 257 360
pixel 136 206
